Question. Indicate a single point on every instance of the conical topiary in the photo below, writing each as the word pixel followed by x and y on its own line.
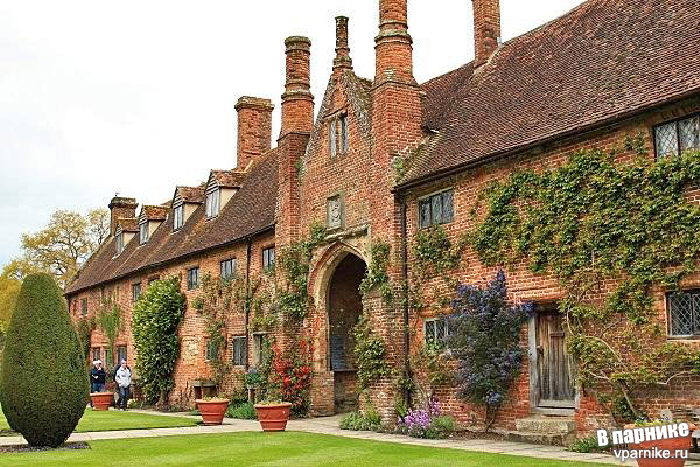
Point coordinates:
pixel 43 379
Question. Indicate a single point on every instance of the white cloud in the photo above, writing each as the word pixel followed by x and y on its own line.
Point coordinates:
pixel 137 97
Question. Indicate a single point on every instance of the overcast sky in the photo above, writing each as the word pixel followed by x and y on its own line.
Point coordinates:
pixel 137 97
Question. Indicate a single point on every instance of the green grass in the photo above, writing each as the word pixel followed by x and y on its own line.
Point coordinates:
pixel 267 449
pixel 116 420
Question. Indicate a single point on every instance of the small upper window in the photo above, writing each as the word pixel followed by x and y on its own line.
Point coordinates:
pixel 120 242
pixel 121 353
pixel 83 307
pixel 674 138
pixel 192 278
pixel 95 353
pixel 136 291
pixel 212 203
pixel 211 351
pixel 437 209
pixel 143 232
pixel 179 217
pixel 344 134
pixel 268 259
pixel 240 344
pixel 332 138
pixel 228 269
pixel 684 313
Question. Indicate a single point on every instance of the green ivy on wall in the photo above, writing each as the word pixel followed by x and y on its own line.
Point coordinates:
pixel 377 275
pixel 597 223
pixel 370 351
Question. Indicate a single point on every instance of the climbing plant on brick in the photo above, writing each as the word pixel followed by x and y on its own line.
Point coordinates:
pixel 592 222
pixel 485 340
pixel 377 275
pixel 370 351
pixel 109 320
pixel 155 320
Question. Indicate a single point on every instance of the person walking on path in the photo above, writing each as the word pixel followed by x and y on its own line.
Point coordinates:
pixel 98 377
pixel 123 380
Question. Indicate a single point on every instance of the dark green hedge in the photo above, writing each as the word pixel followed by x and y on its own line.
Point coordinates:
pixel 43 382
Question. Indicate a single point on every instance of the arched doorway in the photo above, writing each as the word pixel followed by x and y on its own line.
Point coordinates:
pixel 344 308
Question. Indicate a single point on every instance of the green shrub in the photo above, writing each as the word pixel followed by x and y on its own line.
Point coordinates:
pixel 44 382
pixel 155 319
pixel 441 427
pixel 358 421
pixel 245 411
pixel 586 445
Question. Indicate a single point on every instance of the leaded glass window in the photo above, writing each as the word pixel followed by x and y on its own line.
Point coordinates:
pixel 344 134
pixel 332 138
pixel 228 269
pixel 684 313
pixel 179 217
pixel 212 203
pixel 436 330
pixel 239 350
pixel 437 209
pixel 192 278
pixel 143 232
pixel 675 137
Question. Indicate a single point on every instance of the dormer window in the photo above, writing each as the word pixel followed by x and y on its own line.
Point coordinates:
pixel 179 216
pixel 143 232
pixel 120 241
pixel 212 201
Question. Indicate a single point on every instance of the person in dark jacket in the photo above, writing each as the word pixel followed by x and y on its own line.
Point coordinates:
pixel 98 377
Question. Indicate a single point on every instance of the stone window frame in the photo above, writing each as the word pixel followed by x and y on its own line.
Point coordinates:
pixel 259 339
pixel 441 193
pixel 267 258
pixel 135 291
pixel 341 200
pixel 234 269
pixel 193 278
pixel 694 300
pixel 338 127
pixel 681 144
pixel 239 355
pixel 427 322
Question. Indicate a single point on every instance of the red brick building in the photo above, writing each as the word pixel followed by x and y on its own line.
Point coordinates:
pixel 381 158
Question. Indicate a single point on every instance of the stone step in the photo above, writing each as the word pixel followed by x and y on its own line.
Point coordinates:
pixel 545 439
pixel 546 425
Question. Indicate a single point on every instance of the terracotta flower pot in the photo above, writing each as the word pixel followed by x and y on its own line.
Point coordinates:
pixel 671 445
pixel 212 410
pixel 273 417
pixel 101 400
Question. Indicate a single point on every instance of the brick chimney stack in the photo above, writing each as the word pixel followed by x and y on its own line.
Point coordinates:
pixel 297 101
pixel 342 45
pixel 121 208
pixel 254 128
pixel 394 46
pixel 487 29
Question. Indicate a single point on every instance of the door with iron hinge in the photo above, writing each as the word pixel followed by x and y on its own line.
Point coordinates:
pixel 555 366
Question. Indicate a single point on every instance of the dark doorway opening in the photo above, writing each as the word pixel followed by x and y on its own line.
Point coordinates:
pixel 344 310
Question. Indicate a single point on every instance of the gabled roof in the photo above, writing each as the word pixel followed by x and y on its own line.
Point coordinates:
pixel 227 178
pixel 154 213
pixel 128 224
pixel 603 61
pixel 250 211
pixel 189 194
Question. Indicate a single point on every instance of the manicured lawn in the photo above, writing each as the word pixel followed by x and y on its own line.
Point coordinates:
pixel 117 420
pixel 267 449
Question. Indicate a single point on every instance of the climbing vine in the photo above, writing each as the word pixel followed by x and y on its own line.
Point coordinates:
pixel 600 225
pixel 84 328
pixel 155 319
pixel 109 320
pixel 377 275
pixel 295 264
pixel 370 351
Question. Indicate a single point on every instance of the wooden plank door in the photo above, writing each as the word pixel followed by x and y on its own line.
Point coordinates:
pixel 554 365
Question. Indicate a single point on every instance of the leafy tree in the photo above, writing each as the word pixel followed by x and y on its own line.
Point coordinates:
pixel 62 246
pixel 43 385
pixel 9 289
pixel 155 319
pixel 485 339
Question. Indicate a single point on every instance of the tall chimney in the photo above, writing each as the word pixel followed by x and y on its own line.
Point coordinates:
pixel 342 45
pixel 487 29
pixel 394 47
pixel 121 208
pixel 297 101
pixel 254 128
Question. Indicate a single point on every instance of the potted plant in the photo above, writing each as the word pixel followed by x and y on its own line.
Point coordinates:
pixel 273 415
pixel 212 410
pixel 672 445
pixel 101 400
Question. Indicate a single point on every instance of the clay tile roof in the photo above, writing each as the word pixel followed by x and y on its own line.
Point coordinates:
pixel 128 224
pixel 251 210
pixel 228 178
pixel 603 61
pixel 155 213
pixel 190 195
